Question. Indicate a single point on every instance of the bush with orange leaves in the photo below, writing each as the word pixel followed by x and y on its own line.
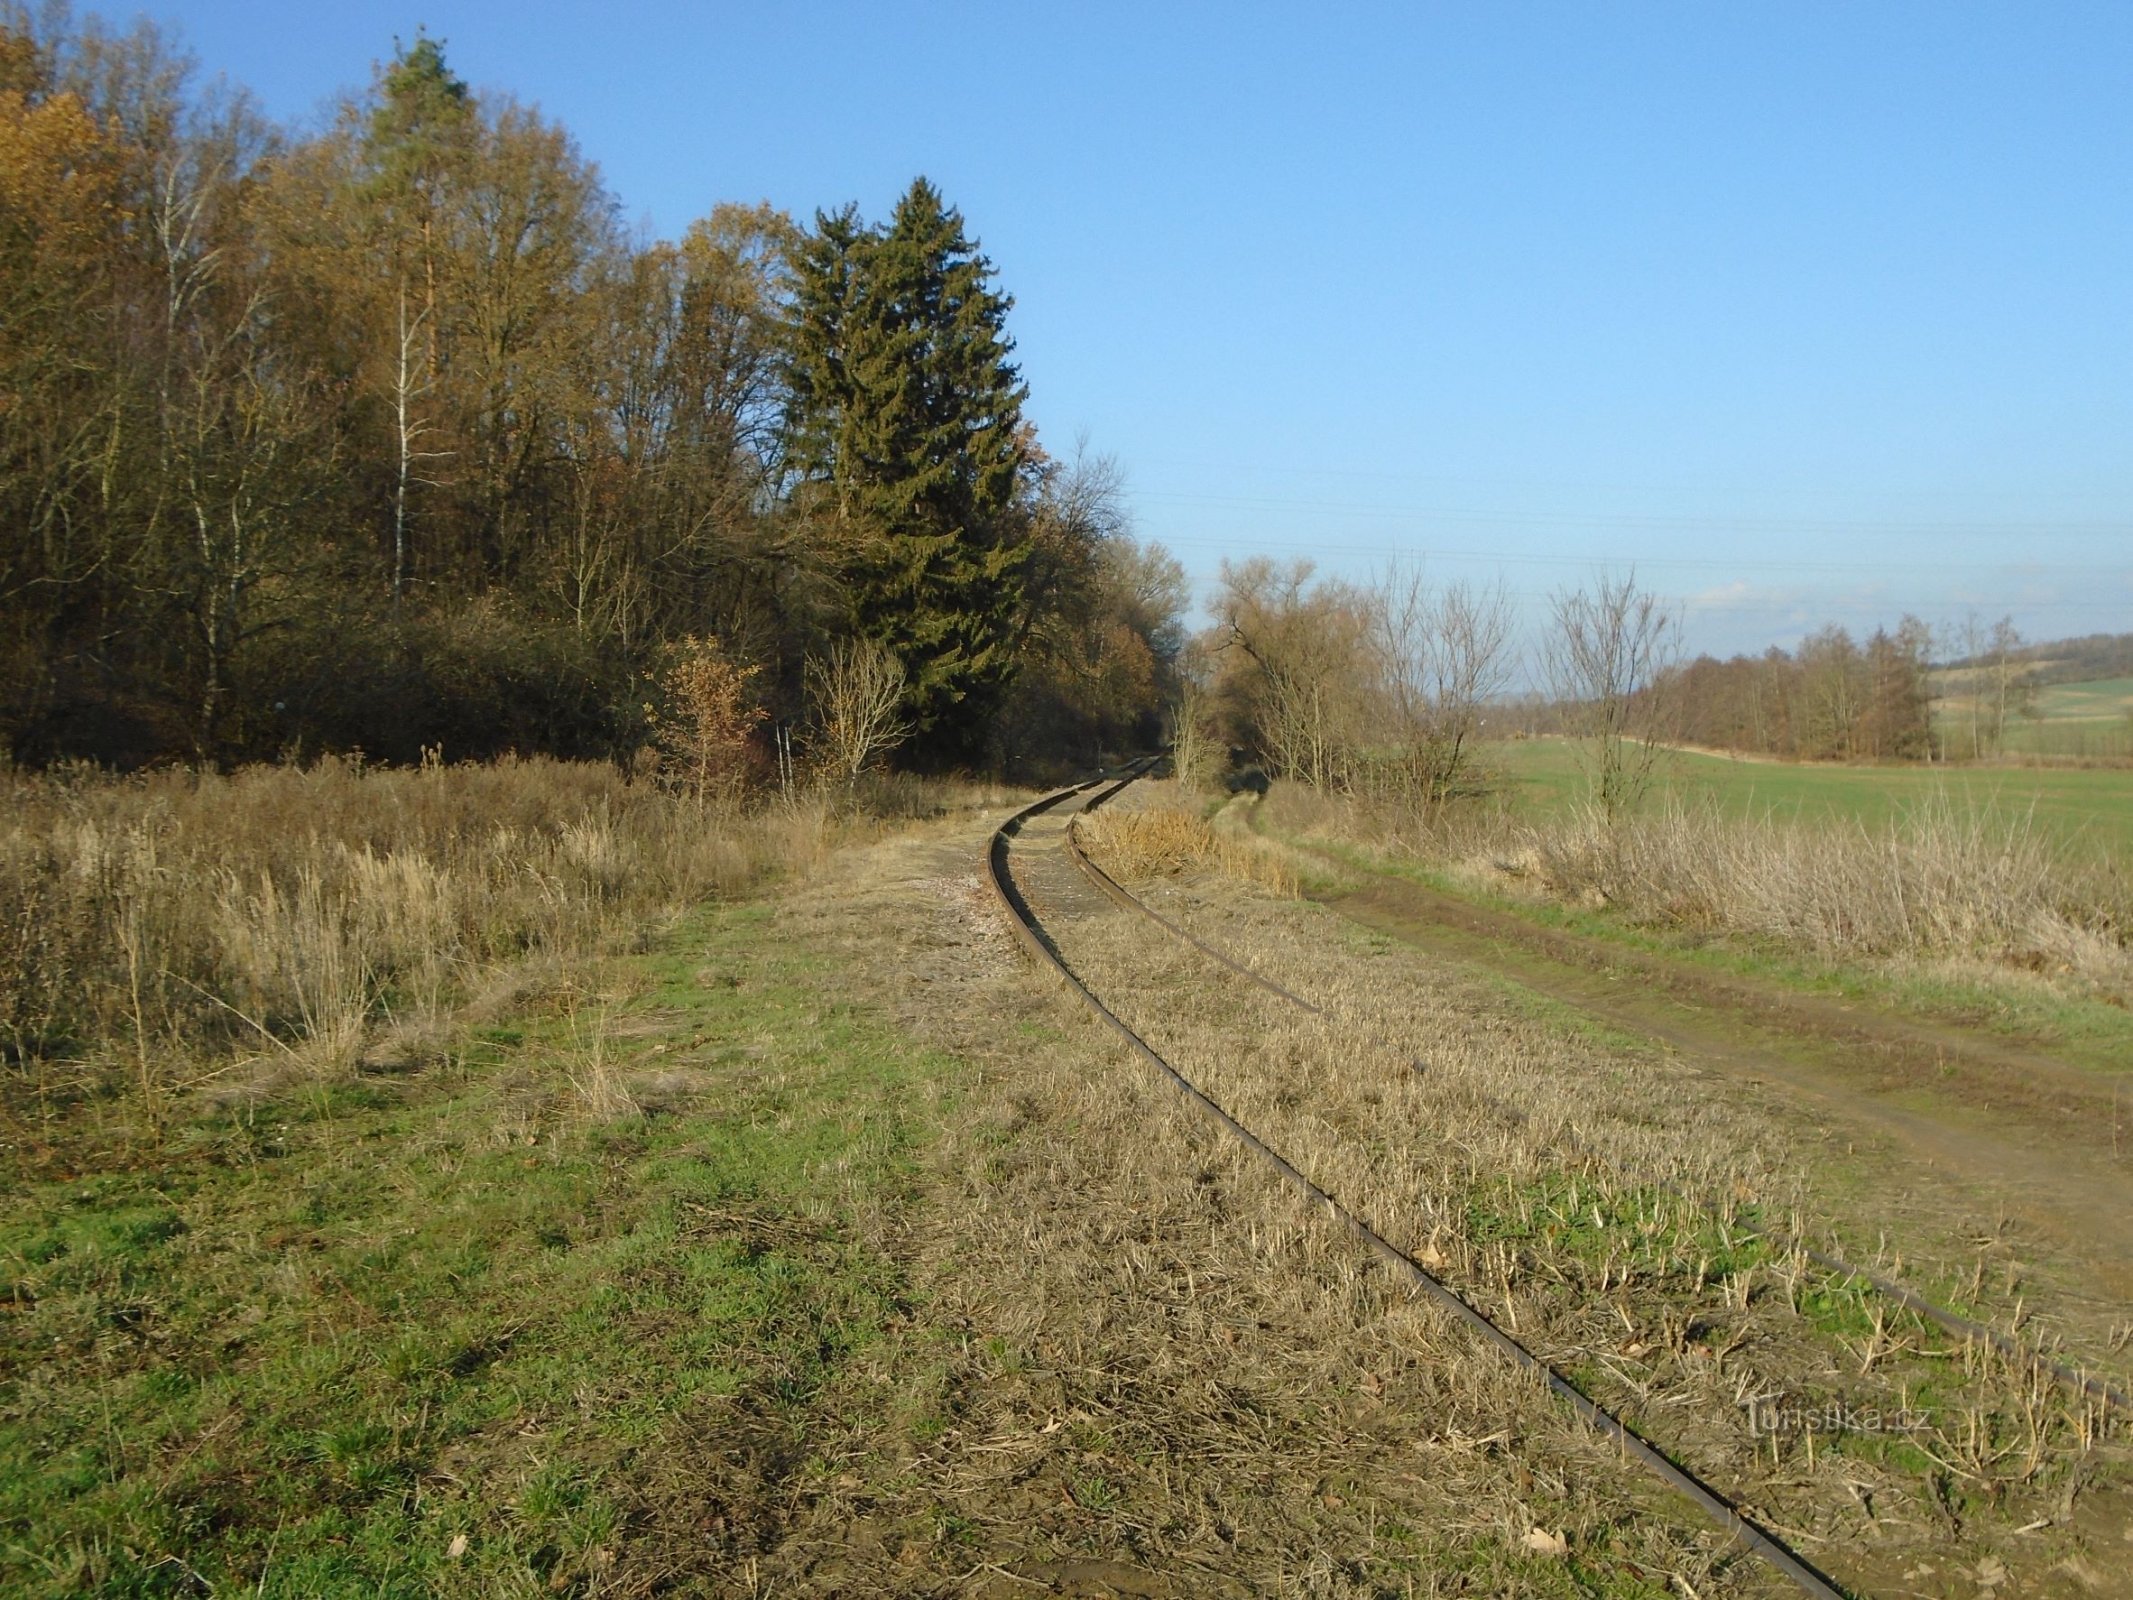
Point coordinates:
pixel 708 720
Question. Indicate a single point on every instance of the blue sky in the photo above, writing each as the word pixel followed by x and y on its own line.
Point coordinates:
pixel 1809 311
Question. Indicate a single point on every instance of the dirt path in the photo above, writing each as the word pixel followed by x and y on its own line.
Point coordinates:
pixel 1502 1088
pixel 1982 1131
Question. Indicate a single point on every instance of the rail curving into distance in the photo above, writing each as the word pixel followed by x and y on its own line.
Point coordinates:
pixel 2074 1379
pixel 1029 932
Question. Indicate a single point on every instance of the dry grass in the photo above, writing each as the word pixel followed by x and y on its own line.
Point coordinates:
pixel 1939 881
pixel 174 930
pixel 1171 1379
pixel 1163 840
pixel 1480 1163
pixel 871 1320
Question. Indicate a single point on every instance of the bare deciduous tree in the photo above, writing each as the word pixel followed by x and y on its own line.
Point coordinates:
pixel 410 385
pixel 1992 679
pixel 1306 686
pixel 1440 655
pixel 2012 686
pixel 857 694
pixel 1193 746
pixel 1609 660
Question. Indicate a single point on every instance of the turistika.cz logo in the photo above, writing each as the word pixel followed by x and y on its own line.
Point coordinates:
pixel 1789 1418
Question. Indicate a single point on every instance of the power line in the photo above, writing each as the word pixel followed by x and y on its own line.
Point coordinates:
pixel 1307 546
pixel 1682 522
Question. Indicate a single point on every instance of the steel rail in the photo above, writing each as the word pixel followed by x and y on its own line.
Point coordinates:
pixel 2073 1378
pixel 1111 887
pixel 1948 1321
pixel 1739 1529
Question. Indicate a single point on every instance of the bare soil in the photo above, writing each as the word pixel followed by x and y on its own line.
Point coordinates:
pixel 2026 1147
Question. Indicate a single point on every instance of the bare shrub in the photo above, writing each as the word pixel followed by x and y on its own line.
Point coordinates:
pixel 1437 657
pixel 1194 750
pixel 1609 660
pixel 856 698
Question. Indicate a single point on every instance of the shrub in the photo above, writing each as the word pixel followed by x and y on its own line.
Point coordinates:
pixel 708 721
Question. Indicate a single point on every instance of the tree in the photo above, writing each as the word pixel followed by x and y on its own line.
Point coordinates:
pixel 1834 691
pixel 709 718
pixel 1302 694
pixel 1898 721
pixel 1096 646
pixel 1436 657
pixel 905 420
pixel 418 141
pixel 2013 688
pixel 1994 679
pixel 1608 660
pixel 857 696
pixel 244 460
pixel 383 434
pixel 1194 751
pixel 62 389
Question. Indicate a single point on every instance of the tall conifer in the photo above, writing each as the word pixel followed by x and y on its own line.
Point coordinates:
pixel 907 410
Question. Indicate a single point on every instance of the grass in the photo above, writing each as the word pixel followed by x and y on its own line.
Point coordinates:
pixel 2012 898
pixel 685 1265
pixel 1480 1164
pixel 2085 808
pixel 2107 699
pixel 455 1332
pixel 805 1247
pixel 2078 1027
pixel 2090 721
pixel 1167 840
pixel 178 930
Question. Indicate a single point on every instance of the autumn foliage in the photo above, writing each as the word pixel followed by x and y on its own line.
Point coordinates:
pixel 708 720
pixel 385 433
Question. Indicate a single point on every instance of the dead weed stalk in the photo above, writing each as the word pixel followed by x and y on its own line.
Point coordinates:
pixel 156 928
pixel 1163 840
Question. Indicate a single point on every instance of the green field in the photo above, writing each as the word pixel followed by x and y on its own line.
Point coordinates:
pixel 2092 806
pixel 470 1323
pixel 2092 721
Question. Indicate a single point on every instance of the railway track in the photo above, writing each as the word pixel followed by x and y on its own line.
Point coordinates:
pixel 1739 1528
pixel 2085 1384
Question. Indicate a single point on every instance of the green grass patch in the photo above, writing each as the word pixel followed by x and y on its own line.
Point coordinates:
pixel 1636 1232
pixel 1648 1240
pixel 1597 1566
pixel 2084 808
pixel 2082 1030
pixel 434 1335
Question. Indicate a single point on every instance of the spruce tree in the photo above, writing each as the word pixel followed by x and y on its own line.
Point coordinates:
pixel 907 413
pixel 819 394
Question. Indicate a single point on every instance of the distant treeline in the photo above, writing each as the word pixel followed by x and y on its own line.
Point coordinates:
pixel 1833 699
pixel 2082 660
pixel 391 436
